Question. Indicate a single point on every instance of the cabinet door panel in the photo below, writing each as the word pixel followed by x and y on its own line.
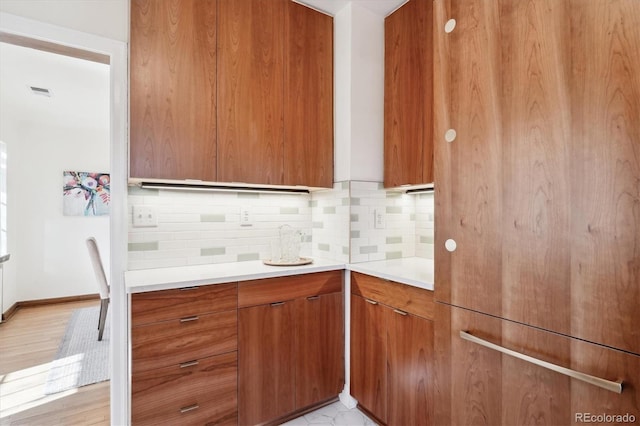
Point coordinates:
pixel 173 89
pixel 475 184
pixel 410 369
pixel 605 196
pixel 308 97
pixel 408 148
pixel 319 367
pixel 250 90
pixel 266 352
pixel 369 356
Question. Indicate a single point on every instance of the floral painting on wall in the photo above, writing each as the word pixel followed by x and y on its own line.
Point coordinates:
pixel 86 194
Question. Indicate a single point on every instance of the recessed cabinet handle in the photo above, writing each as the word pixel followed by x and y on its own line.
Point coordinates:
pixel 313 297
pixel 188 364
pixel 398 311
pixel 189 408
pixel 195 287
pixel 596 381
pixel 373 302
pixel 273 305
pixel 188 319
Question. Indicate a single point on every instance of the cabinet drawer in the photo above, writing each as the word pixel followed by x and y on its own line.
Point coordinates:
pixel 169 395
pixel 404 297
pixel 173 342
pixel 165 305
pixel 270 290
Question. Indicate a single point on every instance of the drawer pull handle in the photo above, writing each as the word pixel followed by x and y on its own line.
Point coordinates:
pixel 188 364
pixel 373 302
pixel 188 319
pixel 195 287
pixel 596 381
pixel 398 311
pixel 189 408
pixel 277 304
pixel 313 297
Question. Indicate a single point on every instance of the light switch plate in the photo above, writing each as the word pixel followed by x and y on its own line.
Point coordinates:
pixel 144 216
pixel 246 218
pixel 379 219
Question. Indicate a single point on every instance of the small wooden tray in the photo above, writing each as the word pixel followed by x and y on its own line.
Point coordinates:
pixel 299 262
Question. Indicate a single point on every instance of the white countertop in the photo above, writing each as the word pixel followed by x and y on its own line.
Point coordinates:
pixel 186 276
pixel 414 271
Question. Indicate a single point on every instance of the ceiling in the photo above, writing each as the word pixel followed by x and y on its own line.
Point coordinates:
pixel 80 89
pixel 380 7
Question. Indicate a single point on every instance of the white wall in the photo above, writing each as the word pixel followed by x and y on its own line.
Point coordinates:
pixel 107 18
pixel 48 255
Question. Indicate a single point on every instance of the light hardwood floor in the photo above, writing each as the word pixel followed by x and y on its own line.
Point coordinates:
pixel 28 343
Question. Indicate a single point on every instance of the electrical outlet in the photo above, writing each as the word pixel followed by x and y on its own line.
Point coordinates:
pixel 144 216
pixel 246 218
pixel 379 219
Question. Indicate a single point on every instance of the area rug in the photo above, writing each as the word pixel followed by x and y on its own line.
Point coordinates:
pixel 81 359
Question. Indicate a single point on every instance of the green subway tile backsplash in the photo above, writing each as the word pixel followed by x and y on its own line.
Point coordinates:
pixel 212 218
pixel 212 251
pixel 394 209
pixel 393 255
pixel 324 247
pixel 153 245
pixel 394 240
pixel 368 249
pixel 329 210
pixel 248 195
pixel 243 257
pixel 289 210
pixel 426 239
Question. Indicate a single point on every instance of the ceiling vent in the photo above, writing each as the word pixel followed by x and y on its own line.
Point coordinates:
pixel 41 91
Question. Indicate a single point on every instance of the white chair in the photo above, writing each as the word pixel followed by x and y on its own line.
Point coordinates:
pixel 103 286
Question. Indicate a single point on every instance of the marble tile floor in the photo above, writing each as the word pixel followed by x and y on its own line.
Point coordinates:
pixel 334 414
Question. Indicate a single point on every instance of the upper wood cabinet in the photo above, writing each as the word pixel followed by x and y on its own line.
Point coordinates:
pixel 308 97
pixel 173 89
pixel 250 90
pixel 540 188
pixel 408 102
pixel 231 91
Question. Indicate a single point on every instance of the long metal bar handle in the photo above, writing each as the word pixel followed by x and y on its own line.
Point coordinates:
pixel 189 408
pixel 596 381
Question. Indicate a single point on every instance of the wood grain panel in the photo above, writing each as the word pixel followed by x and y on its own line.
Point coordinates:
pixel 319 366
pixel 158 395
pixel 250 90
pixel 408 152
pixel 476 376
pixel 165 305
pixel 173 342
pixel 401 296
pixel 308 97
pixel 476 156
pixel 369 356
pixel 270 290
pixel 266 354
pixel 605 250
pixel 536 123
pixel 442 80
pixel 173 89
pixel 410 366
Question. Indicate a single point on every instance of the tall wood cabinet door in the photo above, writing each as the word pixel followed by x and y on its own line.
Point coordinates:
pixel 266 354
pixel 408 147
pixel 308 97
pixel 250 90
pixel 472 174
pixel 319 366
pixel 173 89
pixel 410 361
pixel 369 355
pixel 605 194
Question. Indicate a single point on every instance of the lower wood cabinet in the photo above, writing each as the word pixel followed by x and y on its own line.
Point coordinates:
pixel 392 360
pixel 184 356
pixel 480 385
pixel 290 345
